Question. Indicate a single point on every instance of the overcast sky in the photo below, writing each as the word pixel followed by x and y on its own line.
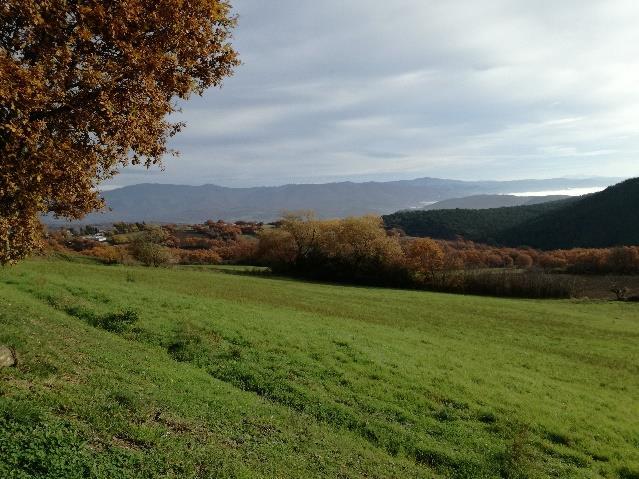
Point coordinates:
pixel 377 89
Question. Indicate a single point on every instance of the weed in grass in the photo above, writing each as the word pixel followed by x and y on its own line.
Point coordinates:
pixel 517 459
pixel 186 348
pixel 628 473
pixel 83 314
pixel 42 368
pixel 117 322
pixel 124 398
pixel 487 417
pixel 559 438
pixel 234 353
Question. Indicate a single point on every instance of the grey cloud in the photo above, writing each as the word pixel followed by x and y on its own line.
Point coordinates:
pixel 455 88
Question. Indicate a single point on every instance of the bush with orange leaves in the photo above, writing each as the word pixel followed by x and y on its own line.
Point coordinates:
pixel 587 261
pixel 220 230
pixel 624 260
pixel 109 254
pixel 195 243
pixel 473 259
pixel 241 251
pixel 276 247
pixel 552 260
pixel 494 260
pixel 198 256
pixel 523 260
pixel 353 250
pixel 425 256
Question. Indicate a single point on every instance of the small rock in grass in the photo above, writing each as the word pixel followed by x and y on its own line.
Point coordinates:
pixel 7 357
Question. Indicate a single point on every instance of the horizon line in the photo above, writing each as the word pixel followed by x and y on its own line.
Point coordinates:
pixel 105 188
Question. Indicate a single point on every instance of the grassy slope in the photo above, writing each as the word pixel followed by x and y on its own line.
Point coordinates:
pixel 235 376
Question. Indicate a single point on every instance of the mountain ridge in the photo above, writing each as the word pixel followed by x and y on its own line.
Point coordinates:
pixel 598 220
pixel 166 203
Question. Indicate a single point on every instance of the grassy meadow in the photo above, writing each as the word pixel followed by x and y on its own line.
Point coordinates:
pixel 198 372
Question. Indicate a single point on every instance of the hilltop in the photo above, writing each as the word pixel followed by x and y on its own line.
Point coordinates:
pixel 608 218
pixel 604 219
pixel 480 225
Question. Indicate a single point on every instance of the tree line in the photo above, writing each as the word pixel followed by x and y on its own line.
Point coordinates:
pixel 302 242
pixel 358 250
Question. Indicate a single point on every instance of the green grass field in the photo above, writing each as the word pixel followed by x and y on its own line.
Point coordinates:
pixel 231 375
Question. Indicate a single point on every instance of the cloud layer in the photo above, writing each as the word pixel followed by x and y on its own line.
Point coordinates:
pixel 370 89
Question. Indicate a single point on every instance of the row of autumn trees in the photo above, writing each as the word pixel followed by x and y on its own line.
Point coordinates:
pixel 360 248
pixel 351 249
pixel 154 245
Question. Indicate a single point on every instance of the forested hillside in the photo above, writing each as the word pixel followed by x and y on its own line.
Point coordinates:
pixel 485 226
pixel 604 219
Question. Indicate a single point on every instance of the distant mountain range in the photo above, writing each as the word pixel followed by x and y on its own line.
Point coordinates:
pixel 193 204
pixel 604 219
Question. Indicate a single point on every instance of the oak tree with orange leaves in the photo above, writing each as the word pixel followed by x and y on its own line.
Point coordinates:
pixel 425 256
pixel 86 87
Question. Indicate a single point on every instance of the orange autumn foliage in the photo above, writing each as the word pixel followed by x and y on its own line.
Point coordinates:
pixel 425 255
pixel 87 88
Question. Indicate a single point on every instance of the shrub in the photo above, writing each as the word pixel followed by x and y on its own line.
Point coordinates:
pixel 425 256
pixel 494 260
pixel 186 348
pixel 220 230
pixel 587 261
pixel 508 261
pixel 200 256
pixel 108 254
pixel 472 259
pixel 118 322
pixel 154 234
pixel 242 250
pixel 150 254
pixel 276 247
pixel 194 243
pixel 523 260
pixel 552 260
pixel 358 250
pixel 81 244
pixel 353 250
pixel 623 260
pixel 122 228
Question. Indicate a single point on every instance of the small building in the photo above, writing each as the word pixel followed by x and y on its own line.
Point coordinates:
pixel 99 237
